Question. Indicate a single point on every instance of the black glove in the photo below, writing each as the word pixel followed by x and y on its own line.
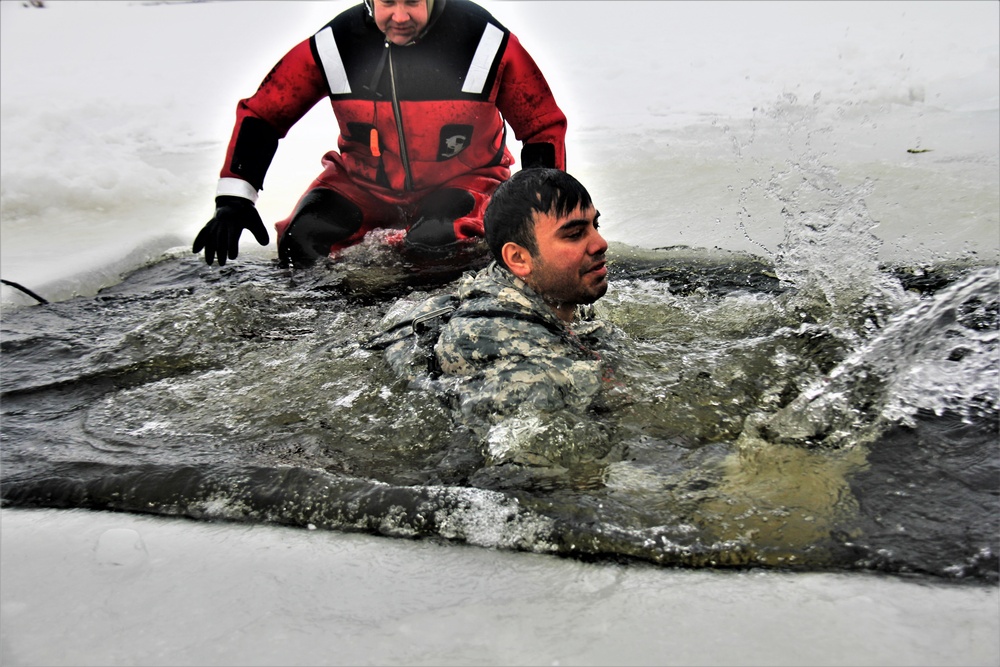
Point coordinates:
pixel 221 236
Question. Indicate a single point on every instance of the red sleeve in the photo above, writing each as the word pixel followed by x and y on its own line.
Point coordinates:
pixel 526 102
pixel 289 90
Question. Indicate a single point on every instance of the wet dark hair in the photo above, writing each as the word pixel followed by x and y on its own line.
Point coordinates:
pixel 510 214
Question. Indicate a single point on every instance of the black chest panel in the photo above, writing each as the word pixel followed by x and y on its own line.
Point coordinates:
pixel 432 69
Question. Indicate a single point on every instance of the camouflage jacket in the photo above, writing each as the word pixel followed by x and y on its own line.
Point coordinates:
pixel 504 345
pixel 534 388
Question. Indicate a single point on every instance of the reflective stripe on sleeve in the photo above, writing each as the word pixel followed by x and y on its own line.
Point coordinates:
pixel 479 70
pixel 236 187
pixel 333 65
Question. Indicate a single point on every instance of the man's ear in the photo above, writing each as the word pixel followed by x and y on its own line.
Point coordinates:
pixel 517 258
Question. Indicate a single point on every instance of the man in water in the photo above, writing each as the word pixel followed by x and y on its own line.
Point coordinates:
pixel 420 90
pixel 520 332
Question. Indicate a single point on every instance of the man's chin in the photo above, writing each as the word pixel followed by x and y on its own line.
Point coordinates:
pixel 401 37
pixel 595 293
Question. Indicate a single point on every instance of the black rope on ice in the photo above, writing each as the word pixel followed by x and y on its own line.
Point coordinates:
pixel 25 290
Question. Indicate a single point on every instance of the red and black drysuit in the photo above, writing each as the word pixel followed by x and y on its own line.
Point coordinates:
pixel 422 132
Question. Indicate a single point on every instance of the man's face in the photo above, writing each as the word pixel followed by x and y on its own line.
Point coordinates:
pixel 401 20
pixel 569 267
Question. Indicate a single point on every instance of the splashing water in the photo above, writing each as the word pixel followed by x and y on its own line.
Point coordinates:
pixel 903 347
pixel 939 356
pixel 830 251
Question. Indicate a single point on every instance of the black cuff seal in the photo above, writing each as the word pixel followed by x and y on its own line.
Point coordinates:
pixel 538 155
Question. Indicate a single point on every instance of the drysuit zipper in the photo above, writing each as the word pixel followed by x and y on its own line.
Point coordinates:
pixel 403 155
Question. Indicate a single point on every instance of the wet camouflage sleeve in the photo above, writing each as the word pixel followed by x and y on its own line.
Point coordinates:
pixel 410 334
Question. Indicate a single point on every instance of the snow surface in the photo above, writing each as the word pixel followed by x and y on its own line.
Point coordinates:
pixel 81 588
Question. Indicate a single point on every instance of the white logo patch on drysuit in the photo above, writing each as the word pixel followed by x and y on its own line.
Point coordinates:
pixel 454 139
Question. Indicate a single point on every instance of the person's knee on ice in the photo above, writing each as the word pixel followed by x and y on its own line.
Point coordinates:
pixel 322 219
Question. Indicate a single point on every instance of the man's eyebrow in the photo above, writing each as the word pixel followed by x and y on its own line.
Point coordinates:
pixel 573 223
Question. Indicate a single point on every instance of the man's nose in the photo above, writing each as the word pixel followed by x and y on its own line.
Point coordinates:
pixel 400 15
pixel 597 245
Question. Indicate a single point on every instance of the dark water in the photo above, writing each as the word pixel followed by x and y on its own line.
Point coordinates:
pixel 759 421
